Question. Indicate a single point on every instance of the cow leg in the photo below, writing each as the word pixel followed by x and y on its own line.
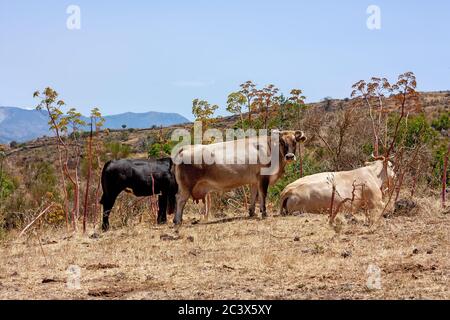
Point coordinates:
pixel 375 214
pixel 253 195
pixel 208 205
pixel 181 197
pixel 262 193
pixel 108 203
pixel 162 206
pixel 283 207
pixel 171 200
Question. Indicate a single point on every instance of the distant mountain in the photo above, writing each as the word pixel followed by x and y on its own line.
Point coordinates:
pixel 22 125
pixel 143 120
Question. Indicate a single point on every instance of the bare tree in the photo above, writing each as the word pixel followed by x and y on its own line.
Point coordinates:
pixel 98 121
pixel 266 99
pixel 334 130
pixel 49 101
pixel 373 94
pixel 73 120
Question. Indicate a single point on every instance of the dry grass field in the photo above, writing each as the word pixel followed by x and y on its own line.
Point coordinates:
pixel 297 257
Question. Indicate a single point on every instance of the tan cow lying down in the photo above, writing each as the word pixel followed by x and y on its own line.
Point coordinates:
pixel 312 194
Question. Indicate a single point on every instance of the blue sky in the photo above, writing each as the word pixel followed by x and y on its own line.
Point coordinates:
pixel 159 55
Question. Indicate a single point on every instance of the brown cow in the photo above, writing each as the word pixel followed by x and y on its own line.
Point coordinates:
pixel 226 170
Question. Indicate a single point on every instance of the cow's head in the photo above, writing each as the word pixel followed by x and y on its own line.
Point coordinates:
pixel 288 143
pixel 387 171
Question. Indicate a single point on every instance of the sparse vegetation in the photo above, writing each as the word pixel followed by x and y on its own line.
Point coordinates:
pixel 381 118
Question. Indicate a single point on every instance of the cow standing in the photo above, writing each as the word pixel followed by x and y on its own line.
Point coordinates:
pixel 236 169
pixel 141 177
pixel 362 187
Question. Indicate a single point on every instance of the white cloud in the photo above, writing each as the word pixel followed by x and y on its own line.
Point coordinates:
pixel 193 83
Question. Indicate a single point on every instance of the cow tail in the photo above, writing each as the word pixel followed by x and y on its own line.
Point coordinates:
pixel 104 184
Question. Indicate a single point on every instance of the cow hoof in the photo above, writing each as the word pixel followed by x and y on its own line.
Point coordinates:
pixel 177 223
pixel 264 216
pixel 161 222
pixel 105 228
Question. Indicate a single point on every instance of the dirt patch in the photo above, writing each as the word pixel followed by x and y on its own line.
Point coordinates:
pixel 100 266
pixel 50 280
pixel 109 292
pixel 409 267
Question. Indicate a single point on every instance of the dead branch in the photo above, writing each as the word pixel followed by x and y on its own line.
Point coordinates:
pixel 36 219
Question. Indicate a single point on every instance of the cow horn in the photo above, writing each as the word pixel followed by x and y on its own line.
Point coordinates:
pixel 275 131
pixel 377 158
pixel 300 136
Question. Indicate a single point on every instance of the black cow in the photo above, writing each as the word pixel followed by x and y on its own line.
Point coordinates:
pixel 143 178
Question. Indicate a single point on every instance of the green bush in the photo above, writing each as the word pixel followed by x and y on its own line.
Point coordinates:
pixel 158 150
pixel 43 181
pixel 310 166
pixel 7 186
pixel 124 135
pixel 442 123
pixel 412 131
pixel 13 144
pixel 118 150
pixel 438 164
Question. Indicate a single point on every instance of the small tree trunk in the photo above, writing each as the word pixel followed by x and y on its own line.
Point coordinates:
pixel 376 151
pixel 76 207
pixel 415 179
pixel 77 186
pixel 88 181
pixel 444 176
pixel 1 180
pixel 300 158
pixel 249 112
pixel 97 193
pixel 399 187
pixel 333 194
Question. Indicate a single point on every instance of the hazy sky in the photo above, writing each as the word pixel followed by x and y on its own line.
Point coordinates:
pixel 159 55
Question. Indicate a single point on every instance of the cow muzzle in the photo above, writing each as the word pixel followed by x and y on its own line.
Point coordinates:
pixel 290 157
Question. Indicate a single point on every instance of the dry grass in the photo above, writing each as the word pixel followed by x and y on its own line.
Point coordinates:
pixel 299 257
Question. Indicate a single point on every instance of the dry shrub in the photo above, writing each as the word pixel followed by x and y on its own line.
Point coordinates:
pixel 130 210
pixel 428 206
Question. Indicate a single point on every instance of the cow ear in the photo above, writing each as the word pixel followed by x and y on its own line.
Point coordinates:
pixel 300 136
